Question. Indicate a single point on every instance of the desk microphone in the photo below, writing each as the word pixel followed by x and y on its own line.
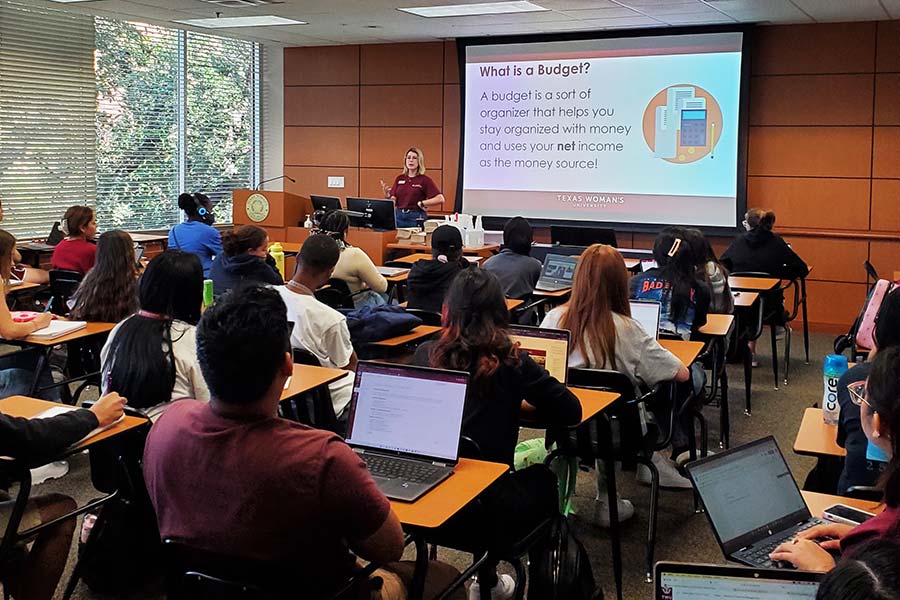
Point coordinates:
pixel 288 177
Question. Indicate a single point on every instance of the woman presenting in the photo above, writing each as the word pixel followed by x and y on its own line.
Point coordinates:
pixel 413 191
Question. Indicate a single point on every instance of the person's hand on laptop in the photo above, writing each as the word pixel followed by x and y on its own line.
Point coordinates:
pixel 828 536
pixel 805 555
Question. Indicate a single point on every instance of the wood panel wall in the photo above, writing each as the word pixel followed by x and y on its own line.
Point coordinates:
pixel 824 147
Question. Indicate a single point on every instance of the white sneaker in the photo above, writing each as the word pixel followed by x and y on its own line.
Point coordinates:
pixel 54 470
pixel 504 590
pixel 685 457
pixel 669 477
pixel 601 510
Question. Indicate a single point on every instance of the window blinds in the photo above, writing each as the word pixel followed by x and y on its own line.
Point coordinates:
pixel 47 108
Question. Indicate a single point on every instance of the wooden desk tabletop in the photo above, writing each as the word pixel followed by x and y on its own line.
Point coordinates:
pixel 593 401
pixel 510 303
pixel 412 258
pixel 815 437
pixel 744 299
pixel 398 278
pixel 817 503
pixel 470 478
pixel 753 284
pixel 89 330
pixel 557 294
pixel 143 238
pixel 291 246
pixel 307 377
pixel 717 325
pixel 23 406
pixel 419 333
pixel 27 285
pixel 686 351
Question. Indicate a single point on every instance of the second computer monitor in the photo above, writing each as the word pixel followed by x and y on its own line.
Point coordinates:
pixel 325 203
pixel 568 235
pixel 377 214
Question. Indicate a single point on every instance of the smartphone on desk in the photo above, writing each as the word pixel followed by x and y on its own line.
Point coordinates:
pixel 841 513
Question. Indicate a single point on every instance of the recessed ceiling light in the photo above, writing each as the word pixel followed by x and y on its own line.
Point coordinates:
pixel 467 10
pixel 257 21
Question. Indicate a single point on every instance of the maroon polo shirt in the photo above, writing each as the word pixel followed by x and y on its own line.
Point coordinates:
pixel 409 191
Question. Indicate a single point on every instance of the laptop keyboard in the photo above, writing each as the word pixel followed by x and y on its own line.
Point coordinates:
pixel 759 555
pixel 407 470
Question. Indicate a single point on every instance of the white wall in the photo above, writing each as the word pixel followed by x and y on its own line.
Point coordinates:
pixel 272 121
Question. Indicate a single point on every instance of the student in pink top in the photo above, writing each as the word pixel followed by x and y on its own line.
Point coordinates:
pixel 77 252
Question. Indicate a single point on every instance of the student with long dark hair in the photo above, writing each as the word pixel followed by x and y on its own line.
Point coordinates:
pixel 244 260
pixel 76 252
pixel 197 235
pixel 712 272
pixel 873 573
pixel 151 357
pixel 354 266
pixel 475 338
pixel 108 292
pixel 611 339
pixel 673 283
pixel 879 406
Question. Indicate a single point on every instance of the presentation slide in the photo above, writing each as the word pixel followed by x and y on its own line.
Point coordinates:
pixel 627 130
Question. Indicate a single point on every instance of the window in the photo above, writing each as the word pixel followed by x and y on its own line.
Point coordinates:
pixel 121 116
pixel 47 106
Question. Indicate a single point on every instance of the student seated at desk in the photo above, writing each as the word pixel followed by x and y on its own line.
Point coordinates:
pixel 244 259
pixel 22 272
pixel 76 252
pixel 231 477
pixel 151 357
pixel 108 293
pixel 318 328
pixel 17 369
pixel 33 574
pixel 429 280
pixel 475 338
pixel 673 283
pixel 611 339
pixel 864 461
pixel 517 271
pixel 879 407
pixel 354 267
pixel 197 235
pixel 872 574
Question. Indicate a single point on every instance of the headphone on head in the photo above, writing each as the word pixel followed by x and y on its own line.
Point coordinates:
pixel 201 210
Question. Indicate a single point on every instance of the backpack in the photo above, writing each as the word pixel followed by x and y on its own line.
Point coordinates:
pixel 373 324
pixel 559 567
pixel 865 333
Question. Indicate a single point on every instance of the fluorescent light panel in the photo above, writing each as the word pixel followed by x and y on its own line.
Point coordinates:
pixel 468 10
pixel 257 21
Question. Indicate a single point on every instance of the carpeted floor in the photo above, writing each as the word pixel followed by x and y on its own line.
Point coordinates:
pixel 682 535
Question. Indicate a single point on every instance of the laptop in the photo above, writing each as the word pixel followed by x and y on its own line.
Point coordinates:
pixel 752 501
pixel 557 273
pixel 405 422
pixel 391 271
pixel 547 347
pixel 646 313
pixel 685 581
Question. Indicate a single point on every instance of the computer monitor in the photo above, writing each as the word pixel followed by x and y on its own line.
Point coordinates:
pixel 325 203
pixel 377 214
pixel 676 581
pixel 547 347
pixel 568 235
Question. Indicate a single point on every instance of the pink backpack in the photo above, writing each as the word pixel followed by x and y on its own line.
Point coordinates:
pixel 865 335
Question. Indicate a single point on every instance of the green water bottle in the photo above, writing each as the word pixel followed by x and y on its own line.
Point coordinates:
pixel 207 293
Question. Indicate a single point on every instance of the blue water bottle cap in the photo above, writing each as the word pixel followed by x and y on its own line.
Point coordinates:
pixel 835 363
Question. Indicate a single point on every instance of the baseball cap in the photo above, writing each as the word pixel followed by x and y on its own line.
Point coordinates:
pixel 446 237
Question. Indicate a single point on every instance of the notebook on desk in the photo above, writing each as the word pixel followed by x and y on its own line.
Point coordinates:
pixel 547 347
pixel 62 409
pixel 687 581
pixel 58 328
pixel 405 422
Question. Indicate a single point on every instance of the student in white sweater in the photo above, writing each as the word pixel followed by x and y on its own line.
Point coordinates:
pixel 152 355
pixel 354 266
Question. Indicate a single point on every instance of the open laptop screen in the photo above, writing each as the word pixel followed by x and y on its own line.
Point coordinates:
pixel 548 347
pixel 647 315
pixel 559 268
pixel 747 489
pixel 709 582
pixel 407 409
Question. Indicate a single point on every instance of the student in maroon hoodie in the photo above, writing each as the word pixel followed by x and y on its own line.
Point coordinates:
pixel 880 415
pixel 429 280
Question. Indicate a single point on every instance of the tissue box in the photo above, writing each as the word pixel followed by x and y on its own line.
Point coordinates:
pixel 404 233
pixel 420 238
pixel 432 224
pixel 474 238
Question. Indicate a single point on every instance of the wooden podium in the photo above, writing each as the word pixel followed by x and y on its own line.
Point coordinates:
pixel 273 211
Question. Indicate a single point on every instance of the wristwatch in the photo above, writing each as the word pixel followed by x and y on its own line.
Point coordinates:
pixel 422 204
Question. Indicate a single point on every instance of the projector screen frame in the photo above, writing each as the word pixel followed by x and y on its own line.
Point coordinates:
pixel 747 29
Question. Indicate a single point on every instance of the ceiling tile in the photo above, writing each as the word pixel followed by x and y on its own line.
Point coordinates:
pixel 761 11
pixel 600 13
pixel 843 10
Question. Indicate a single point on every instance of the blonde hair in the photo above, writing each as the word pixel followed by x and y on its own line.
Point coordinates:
pixel 421 156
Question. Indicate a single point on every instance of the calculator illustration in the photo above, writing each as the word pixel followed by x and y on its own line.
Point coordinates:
pixel 693 128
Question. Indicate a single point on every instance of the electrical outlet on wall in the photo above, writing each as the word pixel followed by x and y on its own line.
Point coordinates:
pixel 335 182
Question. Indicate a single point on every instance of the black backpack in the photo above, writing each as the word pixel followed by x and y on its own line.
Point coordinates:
pixel 560 568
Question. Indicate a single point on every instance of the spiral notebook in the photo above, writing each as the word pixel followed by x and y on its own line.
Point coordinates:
pixel 58 328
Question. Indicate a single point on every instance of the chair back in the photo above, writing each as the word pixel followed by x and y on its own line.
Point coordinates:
pixel 428 317
pixel 62 286
pixel 335 294
pixel 605 380
pixel 195 574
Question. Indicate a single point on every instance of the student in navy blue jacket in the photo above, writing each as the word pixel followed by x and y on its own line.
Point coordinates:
pixel 244 259
pixel 197 235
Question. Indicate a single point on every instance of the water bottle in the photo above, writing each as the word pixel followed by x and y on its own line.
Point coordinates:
pixel 308 222
pixel 835 366
pixel 208 297
pixel 277 252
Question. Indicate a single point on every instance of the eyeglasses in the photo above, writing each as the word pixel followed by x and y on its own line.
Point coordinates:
pixel 858 394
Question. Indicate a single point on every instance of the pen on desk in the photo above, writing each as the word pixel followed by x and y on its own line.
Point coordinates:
pixel 49 304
